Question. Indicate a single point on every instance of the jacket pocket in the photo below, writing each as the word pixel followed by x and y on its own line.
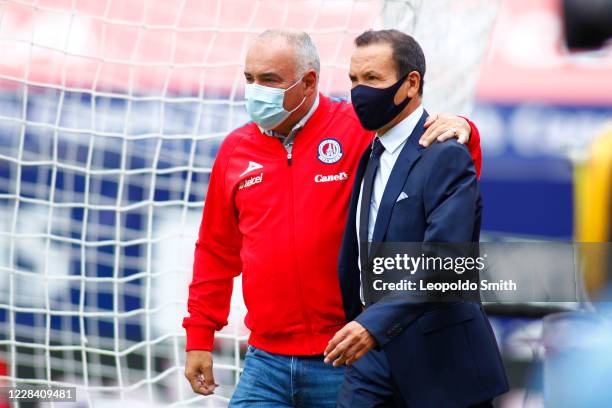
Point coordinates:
pixel 403 214
pixel 407 199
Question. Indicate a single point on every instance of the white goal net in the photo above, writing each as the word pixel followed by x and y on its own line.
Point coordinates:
pixel 111 113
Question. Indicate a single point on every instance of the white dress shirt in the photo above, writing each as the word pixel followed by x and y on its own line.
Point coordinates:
pixel 393 141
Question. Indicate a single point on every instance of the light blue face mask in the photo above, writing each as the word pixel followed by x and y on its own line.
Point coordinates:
pixel 265 104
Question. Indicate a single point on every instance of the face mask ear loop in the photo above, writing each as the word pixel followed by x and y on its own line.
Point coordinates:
pixel 403 80
pixel 303 99
pixel 295 83
pixel 298 107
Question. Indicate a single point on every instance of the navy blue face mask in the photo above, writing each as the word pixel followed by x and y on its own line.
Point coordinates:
pixel 374 106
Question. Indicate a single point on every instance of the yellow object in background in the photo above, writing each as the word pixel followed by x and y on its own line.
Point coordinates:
pixel 593 203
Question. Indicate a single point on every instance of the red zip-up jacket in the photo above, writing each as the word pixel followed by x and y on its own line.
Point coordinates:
pixel 279 220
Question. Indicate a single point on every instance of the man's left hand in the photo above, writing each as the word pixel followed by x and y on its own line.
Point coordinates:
pixel 348 345
pixel 443 126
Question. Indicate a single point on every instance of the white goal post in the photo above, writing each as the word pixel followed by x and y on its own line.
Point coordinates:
pixel 111 113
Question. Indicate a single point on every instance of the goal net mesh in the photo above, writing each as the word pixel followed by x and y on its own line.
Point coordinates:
pixel 111 113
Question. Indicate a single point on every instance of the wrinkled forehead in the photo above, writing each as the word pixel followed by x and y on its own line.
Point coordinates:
pixel 271 55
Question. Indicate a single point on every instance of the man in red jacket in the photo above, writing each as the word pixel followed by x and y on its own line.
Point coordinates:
pixel 275 210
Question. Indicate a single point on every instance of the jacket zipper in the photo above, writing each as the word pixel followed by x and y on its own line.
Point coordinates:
pixel 289 149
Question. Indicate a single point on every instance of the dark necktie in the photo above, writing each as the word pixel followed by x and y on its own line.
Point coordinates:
pixel 364 213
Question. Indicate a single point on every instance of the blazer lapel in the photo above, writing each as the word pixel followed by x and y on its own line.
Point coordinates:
pixel 408 156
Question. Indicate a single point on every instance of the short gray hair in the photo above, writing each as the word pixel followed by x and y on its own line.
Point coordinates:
pixel 306 53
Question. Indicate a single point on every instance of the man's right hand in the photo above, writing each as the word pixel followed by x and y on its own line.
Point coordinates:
pixel 199 373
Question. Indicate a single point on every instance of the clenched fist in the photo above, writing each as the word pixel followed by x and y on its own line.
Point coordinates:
pixel 199 373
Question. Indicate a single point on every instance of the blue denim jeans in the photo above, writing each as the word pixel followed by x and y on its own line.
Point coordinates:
pixel 274 380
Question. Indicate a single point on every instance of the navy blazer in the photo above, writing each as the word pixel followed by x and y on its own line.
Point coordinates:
pixel 440 354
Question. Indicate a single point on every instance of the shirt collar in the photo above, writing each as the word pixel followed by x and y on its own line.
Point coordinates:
pixel 298 125
pixel 398 134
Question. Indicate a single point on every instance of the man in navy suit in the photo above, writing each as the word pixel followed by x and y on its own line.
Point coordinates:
pixel 408 351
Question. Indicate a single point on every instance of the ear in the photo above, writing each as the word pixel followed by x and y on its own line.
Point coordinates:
pixel 310 82
pixel 414 81
pixel 403 92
